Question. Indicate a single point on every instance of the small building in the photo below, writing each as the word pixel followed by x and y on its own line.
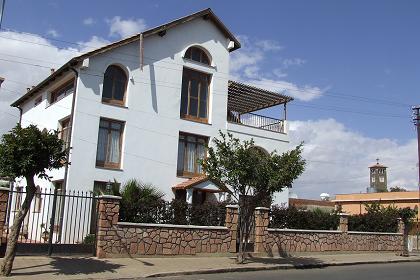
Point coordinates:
pixel 354 203
pixel 312 204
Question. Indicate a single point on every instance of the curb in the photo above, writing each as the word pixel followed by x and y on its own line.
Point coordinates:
pixel 274 267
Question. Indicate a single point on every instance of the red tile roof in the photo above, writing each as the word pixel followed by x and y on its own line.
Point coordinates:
pixel 190 183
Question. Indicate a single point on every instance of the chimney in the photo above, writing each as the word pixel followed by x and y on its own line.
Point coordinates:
pixel 52 70
pixel 28 89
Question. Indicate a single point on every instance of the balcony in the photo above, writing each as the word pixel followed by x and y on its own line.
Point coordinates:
pixel 257 121
pixel 244 100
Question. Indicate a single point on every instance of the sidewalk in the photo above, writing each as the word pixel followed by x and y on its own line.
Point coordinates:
pixel 93 268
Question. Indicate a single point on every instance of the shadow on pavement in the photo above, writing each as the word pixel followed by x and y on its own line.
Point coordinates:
pixel 297 262
pixel 68 266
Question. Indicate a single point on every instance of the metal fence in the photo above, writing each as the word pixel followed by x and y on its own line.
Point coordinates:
pixel 58 221
pixel 258 121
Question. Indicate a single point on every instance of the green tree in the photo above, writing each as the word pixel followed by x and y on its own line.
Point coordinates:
pixel 251 175
pixel 28 153
pixel 397 189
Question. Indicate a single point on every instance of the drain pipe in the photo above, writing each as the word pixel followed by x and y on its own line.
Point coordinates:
pixel 66 168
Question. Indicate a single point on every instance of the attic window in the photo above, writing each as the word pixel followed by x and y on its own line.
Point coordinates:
pixel 197 54
pixel 61 92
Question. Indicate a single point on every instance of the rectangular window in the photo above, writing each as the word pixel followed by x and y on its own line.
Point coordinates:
pixel 61 92
pixel 108 153
pixel 191 148
pixel 59 195
pixel 19 198
pixel 195 95
pixel 65 132
pixel 38 101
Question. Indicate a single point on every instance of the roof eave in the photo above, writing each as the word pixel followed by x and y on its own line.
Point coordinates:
pixel 72 62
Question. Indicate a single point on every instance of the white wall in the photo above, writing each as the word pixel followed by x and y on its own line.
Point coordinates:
pixel 150 141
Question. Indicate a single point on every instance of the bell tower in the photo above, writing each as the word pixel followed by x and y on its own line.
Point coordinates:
pixel 378 178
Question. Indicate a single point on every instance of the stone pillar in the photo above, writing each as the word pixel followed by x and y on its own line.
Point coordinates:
pixel 344 221
pixel 108 214
pixel 402 228
pixel 231 222
pixel 261 228
pixel 4 198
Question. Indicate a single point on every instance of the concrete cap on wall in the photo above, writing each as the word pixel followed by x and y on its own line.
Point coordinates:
pixel 107 196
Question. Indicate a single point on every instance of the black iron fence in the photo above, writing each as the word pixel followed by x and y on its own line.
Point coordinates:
pixel 57 221
pixel 258 121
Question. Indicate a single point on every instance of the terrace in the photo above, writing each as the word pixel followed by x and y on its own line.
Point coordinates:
pixel 244 100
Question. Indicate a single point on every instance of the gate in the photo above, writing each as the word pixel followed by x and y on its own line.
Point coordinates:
pixel 59 222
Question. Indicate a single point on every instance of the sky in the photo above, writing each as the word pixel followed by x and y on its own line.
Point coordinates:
pixel 353 68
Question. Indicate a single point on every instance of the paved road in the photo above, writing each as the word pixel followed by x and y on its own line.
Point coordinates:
pixel 397 271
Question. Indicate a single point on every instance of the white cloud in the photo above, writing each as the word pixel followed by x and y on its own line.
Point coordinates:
pixel 293 62
pixel 268 45
pixel 338 159
pixel 93 43
pixel 53 33
pixel 19 76
pixel 246 65
pixel 125 27
pixel 88 21
pixel 303 93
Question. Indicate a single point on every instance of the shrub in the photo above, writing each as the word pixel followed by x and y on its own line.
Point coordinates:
pixel 141 203
pixel 380 219
pixel 89 239
pixel 295 218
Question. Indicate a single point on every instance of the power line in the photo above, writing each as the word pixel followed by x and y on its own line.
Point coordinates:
pixel 327 93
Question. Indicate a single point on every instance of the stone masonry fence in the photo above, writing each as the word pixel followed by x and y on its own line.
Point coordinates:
pixel 120 239
pixel 129 239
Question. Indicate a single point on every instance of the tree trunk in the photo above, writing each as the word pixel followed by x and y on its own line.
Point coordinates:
pixel 9 257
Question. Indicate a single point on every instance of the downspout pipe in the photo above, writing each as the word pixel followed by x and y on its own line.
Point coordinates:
pixel 66 169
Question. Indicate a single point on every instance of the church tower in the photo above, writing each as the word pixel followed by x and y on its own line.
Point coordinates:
pixel 378 178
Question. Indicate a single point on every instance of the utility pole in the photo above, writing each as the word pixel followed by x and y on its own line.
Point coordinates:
pixel 416 120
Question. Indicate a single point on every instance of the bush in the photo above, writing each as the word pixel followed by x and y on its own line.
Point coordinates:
pixel 141 203
pixel 295 218
pixel 89 239
pixel 380 219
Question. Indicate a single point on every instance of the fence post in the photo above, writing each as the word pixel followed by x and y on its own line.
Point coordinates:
pixel 108 214
pixel 231 222
pixel 261 228
pixel 4 199
pixel 344 222
pixel 402 228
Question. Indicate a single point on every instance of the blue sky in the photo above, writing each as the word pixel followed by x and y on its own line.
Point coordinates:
pixel 359 56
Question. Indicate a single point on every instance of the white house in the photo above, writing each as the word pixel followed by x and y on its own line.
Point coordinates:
pixel 144 107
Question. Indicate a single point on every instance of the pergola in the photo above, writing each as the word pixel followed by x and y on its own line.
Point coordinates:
pixel 244 98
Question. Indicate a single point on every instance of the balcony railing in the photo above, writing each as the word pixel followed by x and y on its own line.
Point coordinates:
pixel 257 121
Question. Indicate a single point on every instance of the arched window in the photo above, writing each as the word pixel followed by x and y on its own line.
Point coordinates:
pixel 197 54
pixel 115 85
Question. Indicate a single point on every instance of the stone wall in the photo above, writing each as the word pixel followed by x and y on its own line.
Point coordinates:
pixel 285 241
pixel 4 197
pixel 116 239
pixel 130 239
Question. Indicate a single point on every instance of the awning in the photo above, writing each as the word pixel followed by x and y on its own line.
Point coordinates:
pixel 245 98
pixel 199 183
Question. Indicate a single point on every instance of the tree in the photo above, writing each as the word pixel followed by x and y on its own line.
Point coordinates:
pixel 397 189
pixel 251 175
pixel 28 153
